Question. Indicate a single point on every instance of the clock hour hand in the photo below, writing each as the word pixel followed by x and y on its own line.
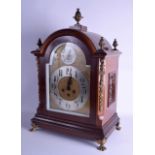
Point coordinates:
pixel 69 82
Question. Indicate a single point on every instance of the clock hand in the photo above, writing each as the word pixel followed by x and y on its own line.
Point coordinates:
pixel 69 82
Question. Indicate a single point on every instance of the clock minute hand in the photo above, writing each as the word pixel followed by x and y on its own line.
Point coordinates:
pixel 69 82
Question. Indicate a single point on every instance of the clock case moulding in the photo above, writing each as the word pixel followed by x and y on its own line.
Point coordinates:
pixel 102 58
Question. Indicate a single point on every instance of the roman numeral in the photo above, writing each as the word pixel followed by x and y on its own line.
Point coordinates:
pixel 67 106
pixel 67 70
pixel 60 72
pixel 59 101
pixel 84 90
pixel 55 94
pixel 70 71
pixel 81 98
pixel 76 75
pixel 54 79
pixel 77 104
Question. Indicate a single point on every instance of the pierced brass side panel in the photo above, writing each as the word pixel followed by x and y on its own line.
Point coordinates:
pixel 111 88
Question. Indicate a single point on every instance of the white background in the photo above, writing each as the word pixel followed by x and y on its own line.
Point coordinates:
pixel 112 19
pixel 143 78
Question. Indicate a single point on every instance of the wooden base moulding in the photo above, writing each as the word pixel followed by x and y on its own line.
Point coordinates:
pixel 88 131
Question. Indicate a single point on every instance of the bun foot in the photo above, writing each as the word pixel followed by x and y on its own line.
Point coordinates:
pixel 118 126
pixel 101 147
pixel 34 127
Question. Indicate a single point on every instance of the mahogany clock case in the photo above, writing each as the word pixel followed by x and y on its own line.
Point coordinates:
pixel 94 127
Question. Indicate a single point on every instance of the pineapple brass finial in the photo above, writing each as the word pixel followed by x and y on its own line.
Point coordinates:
pixel 77 16
pixel 115 44
pixel 39 43
pixel 101 43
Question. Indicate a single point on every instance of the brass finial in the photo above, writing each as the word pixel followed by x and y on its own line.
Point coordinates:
pixel 101 43
pixel 39 43
pixel 115 44
pixel 78 16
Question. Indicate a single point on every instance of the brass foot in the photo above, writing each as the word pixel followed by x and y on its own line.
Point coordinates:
pixel 34 127
pixel 118 126
pixel 101 147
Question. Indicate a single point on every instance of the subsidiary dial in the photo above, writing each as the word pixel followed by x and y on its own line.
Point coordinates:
pixel 68 54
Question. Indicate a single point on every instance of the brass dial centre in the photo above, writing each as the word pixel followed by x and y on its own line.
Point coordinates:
pixel 69 88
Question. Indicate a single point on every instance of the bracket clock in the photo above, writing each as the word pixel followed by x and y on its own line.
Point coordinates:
pixel 77 80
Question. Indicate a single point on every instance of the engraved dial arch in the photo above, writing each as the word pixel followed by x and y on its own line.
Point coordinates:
pixel 68 53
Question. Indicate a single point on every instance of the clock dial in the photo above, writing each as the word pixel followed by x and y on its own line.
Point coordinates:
pixel 69 91
pixel 67 81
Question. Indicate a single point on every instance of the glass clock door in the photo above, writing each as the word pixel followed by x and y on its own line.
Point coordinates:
pixel 68 81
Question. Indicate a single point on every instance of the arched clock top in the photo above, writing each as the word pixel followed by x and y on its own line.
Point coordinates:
pixel 91 40
pixel 66 32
